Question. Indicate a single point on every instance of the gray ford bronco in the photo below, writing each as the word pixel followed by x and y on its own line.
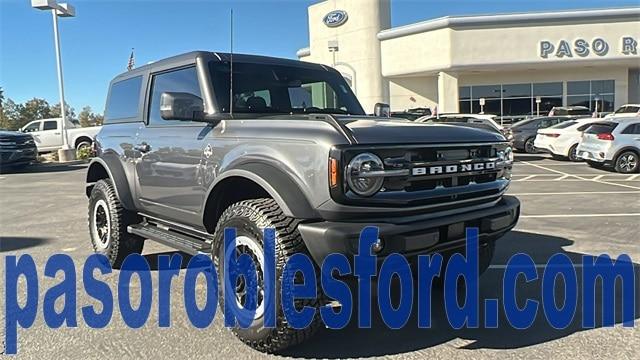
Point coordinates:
pixel 188 150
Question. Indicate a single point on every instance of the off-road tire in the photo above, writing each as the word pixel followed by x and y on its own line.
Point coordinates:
pixel 250 217
pixel 120 243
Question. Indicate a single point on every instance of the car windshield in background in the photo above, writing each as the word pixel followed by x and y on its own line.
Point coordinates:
pixel 628 110
pixel 277 89
pixel 600 128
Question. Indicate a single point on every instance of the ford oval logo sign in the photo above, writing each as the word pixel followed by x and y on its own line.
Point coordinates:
pixel 335 18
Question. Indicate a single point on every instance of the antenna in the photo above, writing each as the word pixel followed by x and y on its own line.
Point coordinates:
pixel 231 67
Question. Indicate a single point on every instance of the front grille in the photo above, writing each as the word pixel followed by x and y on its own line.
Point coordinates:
pixel 435 177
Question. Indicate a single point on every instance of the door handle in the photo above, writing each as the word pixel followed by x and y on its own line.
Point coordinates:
pixel 57 133
pixel 143 148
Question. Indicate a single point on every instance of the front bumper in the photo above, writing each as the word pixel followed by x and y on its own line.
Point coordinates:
pixel 411 239
pixel 18 156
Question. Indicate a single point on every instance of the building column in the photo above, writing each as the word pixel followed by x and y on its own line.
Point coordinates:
pixel 448 96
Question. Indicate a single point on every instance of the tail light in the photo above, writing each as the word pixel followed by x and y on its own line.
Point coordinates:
pixel 605 136
pixel 553 135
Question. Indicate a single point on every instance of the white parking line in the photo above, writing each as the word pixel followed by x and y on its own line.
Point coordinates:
pixel 526 178
pixel 632 177
pixel 579 177
pixel 577 215
pixel 577 193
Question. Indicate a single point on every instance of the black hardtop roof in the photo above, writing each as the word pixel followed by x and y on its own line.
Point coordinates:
pixel 218 56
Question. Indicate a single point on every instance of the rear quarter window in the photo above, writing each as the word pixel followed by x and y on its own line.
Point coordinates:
pixel 124 99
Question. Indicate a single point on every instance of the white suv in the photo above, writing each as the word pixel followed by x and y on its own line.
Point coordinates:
pixel 625 111
pixel 612 142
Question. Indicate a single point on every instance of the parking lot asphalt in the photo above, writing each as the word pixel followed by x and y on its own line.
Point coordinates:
pixel 567 208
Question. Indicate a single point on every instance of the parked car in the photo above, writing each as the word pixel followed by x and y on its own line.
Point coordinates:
pixel 484 121
pixel 16 149
pixel 411 114
pixel 561 140
pixel 613 142
pixel 570 111
pixel 525 131
pixel 47 134
pixel 625 111
pixel 197 162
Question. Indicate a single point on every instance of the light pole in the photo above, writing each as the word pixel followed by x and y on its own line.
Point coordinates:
pixel 62 10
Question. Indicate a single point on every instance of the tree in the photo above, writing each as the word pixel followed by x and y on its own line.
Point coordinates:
pixel 11 115
pixel 85 116
pixel 98 119
pixel 35 109
pixel 69 111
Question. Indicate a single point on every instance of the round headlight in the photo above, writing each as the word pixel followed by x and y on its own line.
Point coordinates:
pixel 360 174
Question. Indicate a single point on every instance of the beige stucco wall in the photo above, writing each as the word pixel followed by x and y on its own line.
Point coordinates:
pixel 456 49
pixel 359 46
pixel 424 90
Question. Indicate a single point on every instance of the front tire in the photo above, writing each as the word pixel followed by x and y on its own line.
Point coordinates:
pixel 108 221
pixel 249 218
pixel 627 162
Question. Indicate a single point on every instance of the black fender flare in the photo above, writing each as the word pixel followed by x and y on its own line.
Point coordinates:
pixel 111 164
pixel 280 186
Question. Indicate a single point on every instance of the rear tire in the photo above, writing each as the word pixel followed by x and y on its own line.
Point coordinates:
pixel 529 148
pixel 108 221
pixel 250 217
pixel 627 162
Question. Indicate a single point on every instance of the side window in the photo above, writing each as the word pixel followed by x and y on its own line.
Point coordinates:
pixel 50 125
pixel 124 99
pixel 183 80
pixel 632 129
pixel 253 101
pixel 35 126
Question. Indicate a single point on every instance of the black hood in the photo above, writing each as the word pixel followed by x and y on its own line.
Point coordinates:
pixel 12 134
pixel 386 131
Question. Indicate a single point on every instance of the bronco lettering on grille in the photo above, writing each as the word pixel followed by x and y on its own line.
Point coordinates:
pixel 453 169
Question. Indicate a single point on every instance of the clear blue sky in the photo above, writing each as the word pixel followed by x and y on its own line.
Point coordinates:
pixel 97 43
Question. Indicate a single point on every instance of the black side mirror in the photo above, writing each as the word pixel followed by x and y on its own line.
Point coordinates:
pixel 181 106
pixel 382 110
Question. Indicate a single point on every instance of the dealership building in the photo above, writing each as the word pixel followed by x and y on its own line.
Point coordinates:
pixel 512 63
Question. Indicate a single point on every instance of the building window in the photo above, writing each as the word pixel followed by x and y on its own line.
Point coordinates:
pixel 588 93
pixel 510 99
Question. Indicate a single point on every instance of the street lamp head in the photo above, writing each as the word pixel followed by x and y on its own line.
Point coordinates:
pixel 44 4
pixel 62 10
pixel 66 10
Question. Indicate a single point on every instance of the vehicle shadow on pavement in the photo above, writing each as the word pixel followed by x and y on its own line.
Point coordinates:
pixel 380 340
pixel 13 243
pixel 44 168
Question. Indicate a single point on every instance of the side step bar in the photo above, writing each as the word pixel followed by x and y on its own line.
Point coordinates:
pixel 185 243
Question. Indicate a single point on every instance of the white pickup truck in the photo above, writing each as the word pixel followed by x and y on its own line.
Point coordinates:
pixel 47 134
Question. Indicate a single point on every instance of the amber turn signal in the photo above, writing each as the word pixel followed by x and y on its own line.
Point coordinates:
pixel 333 172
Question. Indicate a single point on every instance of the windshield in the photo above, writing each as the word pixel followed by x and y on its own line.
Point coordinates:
pixel 628 110
pixel 269 89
